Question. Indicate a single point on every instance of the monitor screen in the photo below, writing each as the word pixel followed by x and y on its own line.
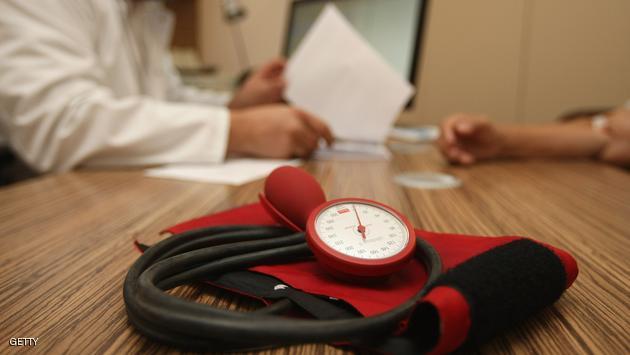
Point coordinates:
pixel 392 27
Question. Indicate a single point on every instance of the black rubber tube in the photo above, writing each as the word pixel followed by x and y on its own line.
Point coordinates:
pixel 200 254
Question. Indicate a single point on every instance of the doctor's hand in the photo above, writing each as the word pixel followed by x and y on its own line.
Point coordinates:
pixel 466 139
pixel 265 86
pixel 276 131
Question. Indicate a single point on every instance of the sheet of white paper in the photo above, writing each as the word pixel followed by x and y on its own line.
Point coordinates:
pixel 232 172
pixel 351 150
pixel 335 74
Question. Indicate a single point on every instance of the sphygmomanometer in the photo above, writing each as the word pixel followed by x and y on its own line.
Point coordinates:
pixel 357 243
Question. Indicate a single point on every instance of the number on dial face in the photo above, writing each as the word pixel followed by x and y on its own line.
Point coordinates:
pixel 384 234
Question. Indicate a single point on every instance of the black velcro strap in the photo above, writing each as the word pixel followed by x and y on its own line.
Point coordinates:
pixel 505 285
pixel 264 286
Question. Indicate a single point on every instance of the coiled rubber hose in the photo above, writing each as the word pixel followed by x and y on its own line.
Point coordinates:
pixel 205 253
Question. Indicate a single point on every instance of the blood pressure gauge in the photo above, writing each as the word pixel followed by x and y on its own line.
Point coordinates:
pixel 359 237
pixel 350 237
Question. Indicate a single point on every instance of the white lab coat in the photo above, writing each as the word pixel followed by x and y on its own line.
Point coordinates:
pixel 90 82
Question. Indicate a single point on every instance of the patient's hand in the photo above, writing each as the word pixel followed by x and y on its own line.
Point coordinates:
pixel 276 131
pixel 265 86
pixel 466 139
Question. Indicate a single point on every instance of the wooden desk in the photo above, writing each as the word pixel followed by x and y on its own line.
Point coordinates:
pixel 66 244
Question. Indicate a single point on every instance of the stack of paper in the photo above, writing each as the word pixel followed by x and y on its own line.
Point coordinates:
pixel 353 150
pixel 420 134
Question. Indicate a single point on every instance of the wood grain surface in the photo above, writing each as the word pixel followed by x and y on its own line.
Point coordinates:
pixel 66 244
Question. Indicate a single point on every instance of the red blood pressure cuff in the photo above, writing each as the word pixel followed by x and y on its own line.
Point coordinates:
pixel 487 286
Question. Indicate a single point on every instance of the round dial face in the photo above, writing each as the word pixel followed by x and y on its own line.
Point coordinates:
pixel 361 230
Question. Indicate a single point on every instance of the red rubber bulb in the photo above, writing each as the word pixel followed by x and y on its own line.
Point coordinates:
pixel 291 194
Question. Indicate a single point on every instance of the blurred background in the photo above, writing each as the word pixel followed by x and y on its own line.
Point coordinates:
pixel 518 60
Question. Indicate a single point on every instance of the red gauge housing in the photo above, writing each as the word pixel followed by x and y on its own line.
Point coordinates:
pixel 344 265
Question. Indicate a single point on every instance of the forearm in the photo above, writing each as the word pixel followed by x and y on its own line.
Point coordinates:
pixel 96 129
pixel 552 140
pixel 154 132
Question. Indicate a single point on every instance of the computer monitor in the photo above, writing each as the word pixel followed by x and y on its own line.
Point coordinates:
pixel 392 27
